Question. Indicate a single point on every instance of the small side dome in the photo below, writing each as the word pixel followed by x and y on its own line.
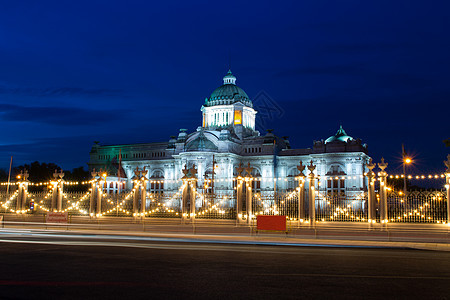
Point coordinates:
pixel 340 135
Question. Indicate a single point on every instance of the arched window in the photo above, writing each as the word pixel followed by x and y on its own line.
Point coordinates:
pixel 291 182
pixel 157 182
pixel 335 185
pixel 256 183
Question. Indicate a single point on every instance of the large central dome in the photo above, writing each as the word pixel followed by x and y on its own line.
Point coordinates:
pixel 228 93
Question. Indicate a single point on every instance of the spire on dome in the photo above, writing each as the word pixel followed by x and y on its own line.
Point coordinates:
pixel 229 78
pixel 340 135
pixel 340 132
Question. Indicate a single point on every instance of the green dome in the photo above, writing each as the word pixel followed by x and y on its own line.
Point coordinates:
pixel 228 93
pixel 340 135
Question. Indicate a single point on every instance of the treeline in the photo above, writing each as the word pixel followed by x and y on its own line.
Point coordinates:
pixel 43 172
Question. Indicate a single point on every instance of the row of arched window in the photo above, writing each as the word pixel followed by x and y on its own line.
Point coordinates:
pixel 252 150
pixel 151 154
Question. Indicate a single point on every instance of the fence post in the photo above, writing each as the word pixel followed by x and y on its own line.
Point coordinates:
pixel 301 193
pixel 99 199
pixel 184 199
pixel 60 188
pixel 447 186
pixel 239 192
pixel 24 191
pixel 135 196
pixel 54 195
pixel 192 198
pixel 93 193
pixel 19 193
pixel 249 193
pixel 383 193
pixel 371 201
pixel 312 195
pixel 143 196
pixel 249 200
pixel 189 191
pixel 144 192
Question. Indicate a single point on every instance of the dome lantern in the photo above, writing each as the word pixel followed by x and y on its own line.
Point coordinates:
pixel 229 78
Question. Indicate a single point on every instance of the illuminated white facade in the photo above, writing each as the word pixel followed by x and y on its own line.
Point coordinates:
pixel 228 137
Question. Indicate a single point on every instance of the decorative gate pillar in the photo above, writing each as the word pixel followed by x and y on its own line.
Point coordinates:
pixel 139 192
pixel 94 190
pixel 312 195
pixel 58 189
pixel 95 201
pixel 239 192
pixel 100 192
pixel 188 194
pixel 371 200
pixel 447 186
pixel 301 193
pixel 23 190
pixel 144 182
pixel 383 192
pixel 136 184
pixel 249 193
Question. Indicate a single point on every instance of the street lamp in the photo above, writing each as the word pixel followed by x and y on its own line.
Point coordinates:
pixel 406 161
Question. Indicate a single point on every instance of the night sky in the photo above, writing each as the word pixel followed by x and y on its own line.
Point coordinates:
pixel 75 72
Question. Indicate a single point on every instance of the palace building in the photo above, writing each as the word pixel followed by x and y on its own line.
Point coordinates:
pixel 227 138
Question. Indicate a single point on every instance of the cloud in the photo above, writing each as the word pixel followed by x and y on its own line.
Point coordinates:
pixel 6 88
pixel 65 116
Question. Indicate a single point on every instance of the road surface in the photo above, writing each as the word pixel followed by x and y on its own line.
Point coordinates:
pixel 52 265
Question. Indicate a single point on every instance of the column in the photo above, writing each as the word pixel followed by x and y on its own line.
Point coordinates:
pixel 92 198
pixel 371 200
pixel 447 186
pixel 60 189
pixel 249 194
pixel 312 195
pixel 383 193
pixel 23 201
pixel 239 191
pixel 99 199
pixel 184 199
pixel 135 197
pixel 192 196
pixel 19 195
pixel 301 193
pixel 301 198
pixel 54 195
pixel 239 197
pixel 143 197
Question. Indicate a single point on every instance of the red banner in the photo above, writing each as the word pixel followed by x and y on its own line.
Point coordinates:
pixel 275 223
pixel 57 217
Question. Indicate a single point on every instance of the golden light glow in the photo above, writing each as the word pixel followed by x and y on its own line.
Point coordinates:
pixel 237 117
pixel 407 160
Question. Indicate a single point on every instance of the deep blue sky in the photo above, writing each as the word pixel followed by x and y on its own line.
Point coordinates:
pixel 72 72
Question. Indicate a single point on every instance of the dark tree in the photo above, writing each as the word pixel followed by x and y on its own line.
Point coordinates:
pixel 77 174
pixel 38 172
pixel 3 175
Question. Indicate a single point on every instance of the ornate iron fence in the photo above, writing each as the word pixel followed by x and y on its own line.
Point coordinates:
pixel 418 207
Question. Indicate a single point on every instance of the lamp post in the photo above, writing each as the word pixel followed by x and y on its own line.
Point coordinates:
pixel 406 161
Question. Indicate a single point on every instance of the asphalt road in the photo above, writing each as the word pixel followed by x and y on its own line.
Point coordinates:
pixel 69 266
